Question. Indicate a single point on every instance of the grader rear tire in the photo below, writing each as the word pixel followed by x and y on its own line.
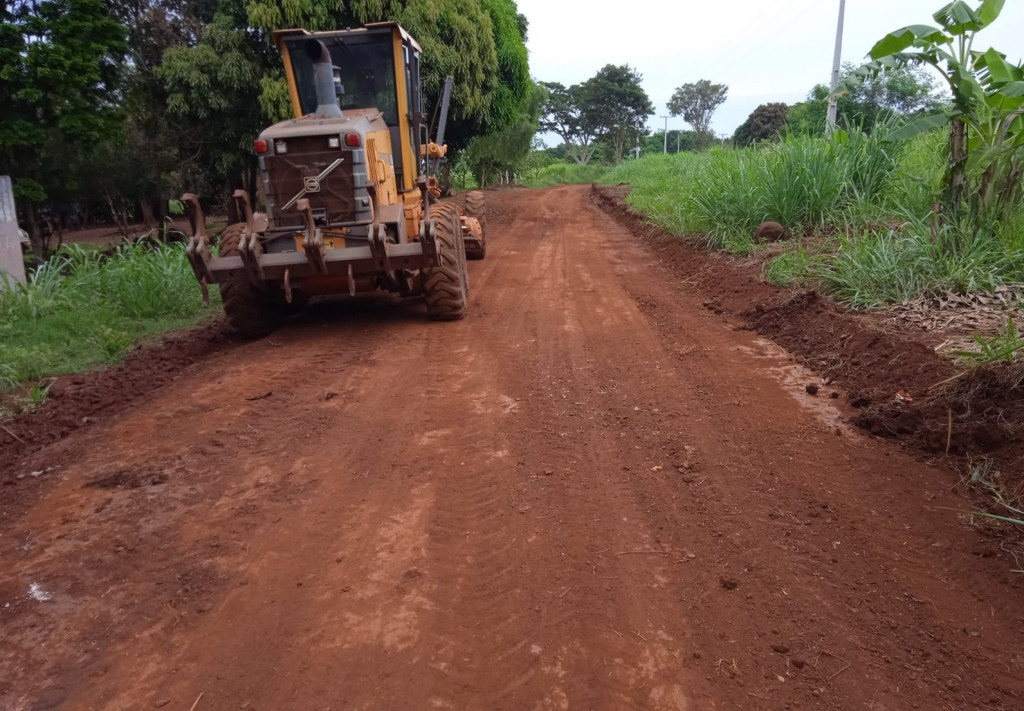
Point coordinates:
pixel 476 207
pixel 447 285
pixel 252 311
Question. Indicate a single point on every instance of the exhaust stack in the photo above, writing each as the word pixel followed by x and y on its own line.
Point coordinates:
pixel 323 78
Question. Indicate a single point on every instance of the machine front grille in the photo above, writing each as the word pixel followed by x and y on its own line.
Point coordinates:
pixel 295 172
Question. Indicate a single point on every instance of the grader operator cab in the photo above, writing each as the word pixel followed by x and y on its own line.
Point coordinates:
pixel 351 189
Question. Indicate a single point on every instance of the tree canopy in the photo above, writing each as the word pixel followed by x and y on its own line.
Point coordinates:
pixel 899 92
pixel 58 99
pixel 621 105
pixel 763 124
pixel 678 142
pixel 697 103
pixel 506 151
pixel 569 113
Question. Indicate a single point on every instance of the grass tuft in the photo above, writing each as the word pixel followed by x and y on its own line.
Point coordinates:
pixel 82 309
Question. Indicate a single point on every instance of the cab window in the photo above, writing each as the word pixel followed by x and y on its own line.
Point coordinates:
pixel 366 65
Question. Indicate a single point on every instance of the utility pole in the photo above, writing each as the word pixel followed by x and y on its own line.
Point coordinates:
pixel 666 133
pixel 832 100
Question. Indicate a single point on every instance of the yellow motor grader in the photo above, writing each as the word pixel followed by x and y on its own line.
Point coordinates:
pixel 351 189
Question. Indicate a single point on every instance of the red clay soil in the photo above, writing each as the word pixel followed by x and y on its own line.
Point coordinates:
pixel 86 399
pixel 592 493
pixel 108 234
pixel 872 362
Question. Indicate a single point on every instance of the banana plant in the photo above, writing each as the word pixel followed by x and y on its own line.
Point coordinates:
pixel 986 116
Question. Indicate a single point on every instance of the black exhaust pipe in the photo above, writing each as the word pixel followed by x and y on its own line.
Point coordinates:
pixel 323 76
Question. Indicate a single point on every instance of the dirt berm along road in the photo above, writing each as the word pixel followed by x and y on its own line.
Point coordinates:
pixel 592 493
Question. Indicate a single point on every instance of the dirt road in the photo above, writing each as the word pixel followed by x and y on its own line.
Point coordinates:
pixel 590 494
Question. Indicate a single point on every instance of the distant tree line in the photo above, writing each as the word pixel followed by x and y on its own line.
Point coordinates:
pixel 897 94
pixel 606 116
pixel 581 116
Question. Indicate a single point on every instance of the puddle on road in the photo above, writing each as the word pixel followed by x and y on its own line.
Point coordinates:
pixel 794 378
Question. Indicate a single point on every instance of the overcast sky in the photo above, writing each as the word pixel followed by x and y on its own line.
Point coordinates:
pixel 763 50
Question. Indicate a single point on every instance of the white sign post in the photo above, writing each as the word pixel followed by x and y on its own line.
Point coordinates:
pixel 11 263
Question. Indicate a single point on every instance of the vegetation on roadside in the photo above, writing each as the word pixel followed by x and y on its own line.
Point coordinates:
pixel 84 308
pixel 926 199
pixel 857 208
pixel 1006 346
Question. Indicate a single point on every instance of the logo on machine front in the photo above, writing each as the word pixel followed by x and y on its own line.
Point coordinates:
pixel 311 184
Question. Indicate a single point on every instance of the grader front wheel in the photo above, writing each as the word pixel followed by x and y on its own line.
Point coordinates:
pixel 447 285
pixel 252 311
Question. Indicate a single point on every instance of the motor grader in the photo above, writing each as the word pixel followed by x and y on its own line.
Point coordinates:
pixel 351 189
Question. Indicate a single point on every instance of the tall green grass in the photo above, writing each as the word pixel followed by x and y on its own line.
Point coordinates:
pixel 567 174
pixel 875 269
pixel 656 182
pixel 804 183
pixel 81 309
pixel 866 203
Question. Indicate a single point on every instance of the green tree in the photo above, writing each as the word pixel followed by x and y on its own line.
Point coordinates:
pixel 506 152
pixel 678 142
pixel 514 83
pixel 60 68
pixel 763 124
pixel 895 93
pixel 571 115
pixel 697 103
pixel 147 150
pixel 213 96
pixel 986 118
pixel 620 105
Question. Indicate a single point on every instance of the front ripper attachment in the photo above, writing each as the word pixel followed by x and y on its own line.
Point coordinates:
pixel 198 248
pixel 249 247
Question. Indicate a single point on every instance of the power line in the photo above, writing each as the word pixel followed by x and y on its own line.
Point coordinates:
pixel 740 35
pixel 766 35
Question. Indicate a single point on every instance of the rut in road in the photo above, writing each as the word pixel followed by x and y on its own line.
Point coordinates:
pixel 590 494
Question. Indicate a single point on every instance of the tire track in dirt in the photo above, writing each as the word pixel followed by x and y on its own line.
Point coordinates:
pixel 591 493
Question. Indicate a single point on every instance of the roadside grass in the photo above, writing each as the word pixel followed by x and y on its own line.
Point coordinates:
pixel 567 174
pixel 790 269
pixel 866 202
pixel 870 270
pixel 656 182
pixel 82 309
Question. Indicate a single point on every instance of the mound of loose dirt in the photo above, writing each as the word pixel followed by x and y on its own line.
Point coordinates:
pixel 769 232
pixel 900 385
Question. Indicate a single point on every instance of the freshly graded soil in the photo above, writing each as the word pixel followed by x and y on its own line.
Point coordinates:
pixel 601 490
pixel 900 387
